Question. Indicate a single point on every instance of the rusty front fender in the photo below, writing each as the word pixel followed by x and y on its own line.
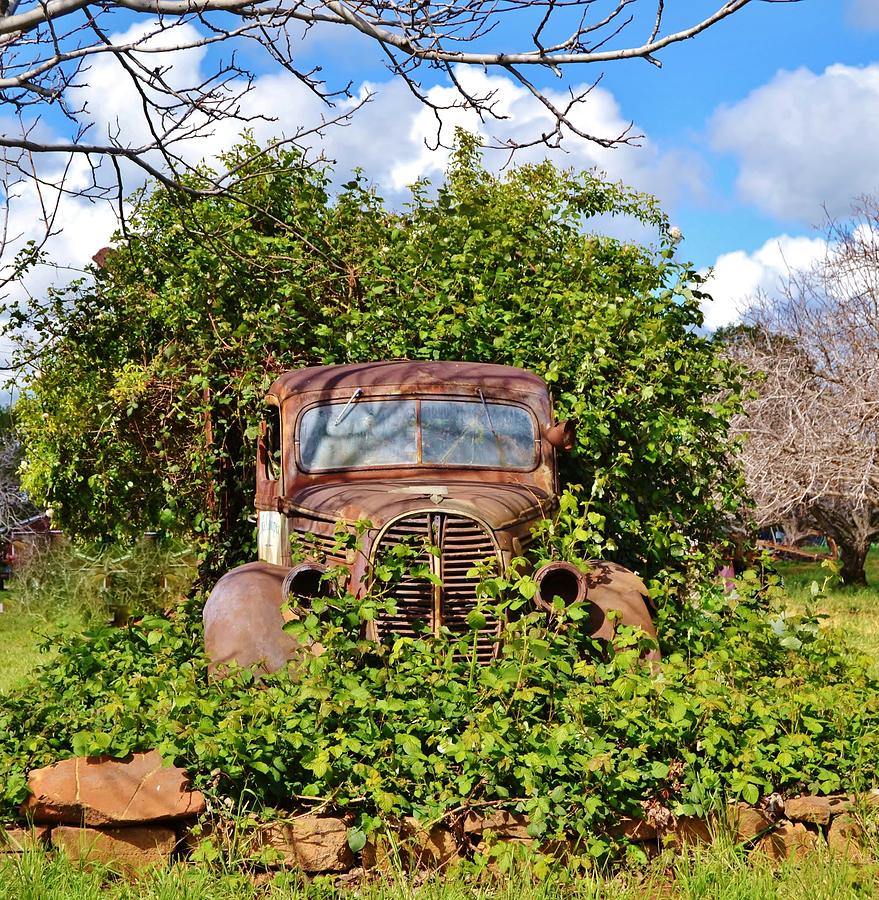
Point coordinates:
pixel 244 620
pixel 612 588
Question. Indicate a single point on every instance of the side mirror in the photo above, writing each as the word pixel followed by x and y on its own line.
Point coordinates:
pixel 562 435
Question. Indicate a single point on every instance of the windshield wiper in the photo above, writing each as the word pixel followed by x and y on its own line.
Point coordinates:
pixel 347 406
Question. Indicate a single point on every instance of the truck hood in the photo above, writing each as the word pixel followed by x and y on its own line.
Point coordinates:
pixel 497 505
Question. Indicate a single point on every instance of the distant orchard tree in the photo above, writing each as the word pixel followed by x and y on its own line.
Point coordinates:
pixel 14 503
pixel 811 449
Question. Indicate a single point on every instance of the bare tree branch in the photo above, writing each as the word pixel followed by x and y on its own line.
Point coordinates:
pixel 47 46
pixel 15 507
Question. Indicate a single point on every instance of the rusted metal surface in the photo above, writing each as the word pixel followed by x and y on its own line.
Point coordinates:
pixel 397 463
pixel 610 588
pixel 244 620
pixel 457 544
pixel 605 587
pixel 501 505
pixel 297 392
pixel 559 579
pixel 409 376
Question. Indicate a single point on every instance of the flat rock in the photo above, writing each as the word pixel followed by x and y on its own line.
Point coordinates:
pixel 816 810
pixel 502 824
pixel 845 837
pixel 126 850
pixel 311 843
pixel 18 840
pixel 747 823
pixel 634 829
pixel 412 845
pixel 839 803
pixel 432 847
pixel 99 791
pixel 788 839
pixel 688 830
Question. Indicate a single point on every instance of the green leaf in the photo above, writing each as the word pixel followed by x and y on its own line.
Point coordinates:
pixel 750 794
pixel 81 743
pixel 476 620
pixel 356 840
pixel 409 744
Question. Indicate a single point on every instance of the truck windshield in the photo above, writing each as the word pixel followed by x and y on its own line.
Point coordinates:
pixel 411 432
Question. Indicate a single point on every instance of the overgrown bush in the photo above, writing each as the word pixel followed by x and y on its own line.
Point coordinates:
pixel 565 731
pixel 144 410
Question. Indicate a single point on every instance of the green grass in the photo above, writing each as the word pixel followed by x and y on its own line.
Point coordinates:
pixel 707 873
pixel 18 650
pixel 21 633
pixel 853 610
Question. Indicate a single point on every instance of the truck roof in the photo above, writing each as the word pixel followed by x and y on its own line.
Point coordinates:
pixel 408 375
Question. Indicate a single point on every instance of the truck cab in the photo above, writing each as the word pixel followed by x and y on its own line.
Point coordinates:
pixel 457 458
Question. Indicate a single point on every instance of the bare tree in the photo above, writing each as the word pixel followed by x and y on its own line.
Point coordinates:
pixel 811 448
pixel 15 506
pixel 48 46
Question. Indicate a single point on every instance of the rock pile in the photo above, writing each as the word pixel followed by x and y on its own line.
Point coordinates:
pixel 121 812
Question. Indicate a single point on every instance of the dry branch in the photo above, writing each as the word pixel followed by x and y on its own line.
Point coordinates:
pixel 47 48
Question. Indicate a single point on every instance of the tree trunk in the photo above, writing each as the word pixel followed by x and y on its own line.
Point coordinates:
pixel 854 528
pixel 853 557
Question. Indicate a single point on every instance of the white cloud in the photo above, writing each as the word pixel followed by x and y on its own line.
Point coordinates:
pixel 76 226
pixel 668 174
pixel 391 137
pixel 738 276
pixel 804 141
pixel 80 228
pixel 863 14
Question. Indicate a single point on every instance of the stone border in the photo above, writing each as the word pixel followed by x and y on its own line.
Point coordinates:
pixel 136 813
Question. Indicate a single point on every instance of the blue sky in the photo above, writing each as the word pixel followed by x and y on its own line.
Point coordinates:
pixel 722 67
pixel 751 130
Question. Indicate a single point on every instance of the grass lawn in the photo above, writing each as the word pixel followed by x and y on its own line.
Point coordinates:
pixel 715 873
pixel 853 610
pixel 21 634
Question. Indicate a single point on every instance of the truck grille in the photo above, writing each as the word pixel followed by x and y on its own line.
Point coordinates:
pixel 320 546
pixel 421 605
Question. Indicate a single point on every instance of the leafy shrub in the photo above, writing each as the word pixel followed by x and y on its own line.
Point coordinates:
pixel 144 411
pixel 555 727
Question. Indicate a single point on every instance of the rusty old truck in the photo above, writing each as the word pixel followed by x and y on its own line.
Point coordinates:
pixel 459 458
